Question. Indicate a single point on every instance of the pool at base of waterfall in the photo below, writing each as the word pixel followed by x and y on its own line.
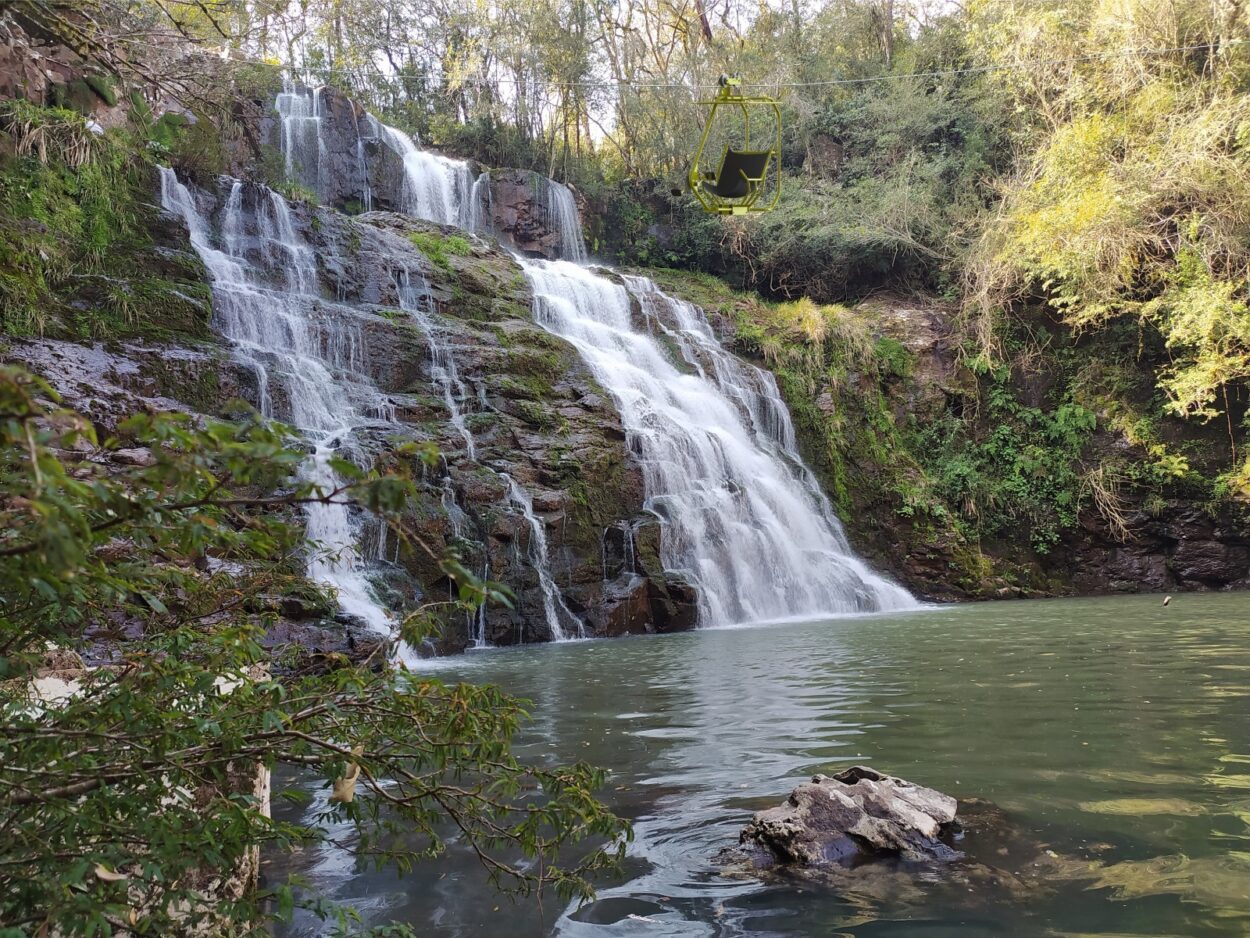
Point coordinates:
pixel 1114 734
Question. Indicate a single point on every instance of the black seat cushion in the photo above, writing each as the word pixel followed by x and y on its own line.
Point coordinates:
pixel 735 168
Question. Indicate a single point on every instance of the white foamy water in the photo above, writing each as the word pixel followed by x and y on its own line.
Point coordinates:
pixel 743 519
pixel 562 216
pixel 299 139
pixel 560 619
pixel 308 362
pixel 435 188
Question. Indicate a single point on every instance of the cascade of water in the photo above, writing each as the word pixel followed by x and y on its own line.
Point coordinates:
pixel 753 390
pixel 415 298
pixel 481 206
pixel 562 215
pixel 303 150
pixel 477 627
pixel 311 363
pixel 556 611
pixel 741 521
pixel 435 188
pixel 744 518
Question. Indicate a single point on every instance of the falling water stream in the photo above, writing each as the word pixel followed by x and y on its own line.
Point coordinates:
pixel 308 361
pixel 415 299
pixel 743 518
pixel 435 188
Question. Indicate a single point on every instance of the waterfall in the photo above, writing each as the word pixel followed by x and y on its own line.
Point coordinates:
pixel 743 519
pixel 481 206
pixel 753 390
pixel 557 612
pixel 435 188
pixel 309 365
pixel 562 216
pixel 303 150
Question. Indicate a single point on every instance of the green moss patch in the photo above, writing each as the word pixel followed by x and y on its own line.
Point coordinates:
pixel 441 248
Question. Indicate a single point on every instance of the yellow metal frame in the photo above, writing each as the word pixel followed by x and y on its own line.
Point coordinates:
pixel 730 94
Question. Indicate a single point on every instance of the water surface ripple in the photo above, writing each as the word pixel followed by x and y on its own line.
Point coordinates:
pixel 1115 732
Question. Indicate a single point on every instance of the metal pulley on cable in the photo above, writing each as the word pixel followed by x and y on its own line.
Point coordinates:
pixel 748 178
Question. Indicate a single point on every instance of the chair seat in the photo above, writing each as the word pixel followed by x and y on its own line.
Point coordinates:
pixel 738 169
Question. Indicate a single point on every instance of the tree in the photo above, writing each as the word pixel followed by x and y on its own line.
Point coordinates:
pixel 1127 199
pixel 122 801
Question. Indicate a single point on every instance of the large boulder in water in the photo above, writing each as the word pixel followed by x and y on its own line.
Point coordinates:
pixel 853 816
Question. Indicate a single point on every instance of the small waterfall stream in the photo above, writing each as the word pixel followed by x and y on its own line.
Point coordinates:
pixel 415 299
pixel 308 362
pixel 562 216
pixel 435 188
pixel 301 143
pixel 560 619
pixel 481 207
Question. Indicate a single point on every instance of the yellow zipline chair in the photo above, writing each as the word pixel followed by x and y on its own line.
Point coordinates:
pixel 736 188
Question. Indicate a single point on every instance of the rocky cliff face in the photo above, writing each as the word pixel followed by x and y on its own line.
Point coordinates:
pixel 534 412
pixel 1176 544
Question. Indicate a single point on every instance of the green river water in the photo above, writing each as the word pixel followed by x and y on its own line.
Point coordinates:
pixel 1114 732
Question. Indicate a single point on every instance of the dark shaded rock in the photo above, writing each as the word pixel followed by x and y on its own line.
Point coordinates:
pixel 627 607
pixel 1210 561
pixel 520 211
pixel 300 608
pixel 856 815
pixel 320 645
pixel 674 603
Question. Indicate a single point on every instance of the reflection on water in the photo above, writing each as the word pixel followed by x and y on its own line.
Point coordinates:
pixel 1114 732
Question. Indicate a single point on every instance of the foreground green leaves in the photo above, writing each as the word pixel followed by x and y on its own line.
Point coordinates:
pixel 134 800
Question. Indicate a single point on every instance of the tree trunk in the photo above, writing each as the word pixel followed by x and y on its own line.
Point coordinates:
pixel 703 21
pixel 887 34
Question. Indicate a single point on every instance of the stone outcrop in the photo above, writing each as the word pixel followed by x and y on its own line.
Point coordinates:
pixel 852 817
pixel 880 839
pixel 520 211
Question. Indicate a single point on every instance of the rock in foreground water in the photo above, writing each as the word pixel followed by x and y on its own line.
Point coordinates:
pixel 851 817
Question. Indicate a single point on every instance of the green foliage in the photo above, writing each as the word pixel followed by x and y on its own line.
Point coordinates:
pixel 1022 474
pixel 75 222
pixel 1129 197
pixel 121 803
pixel 440 248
